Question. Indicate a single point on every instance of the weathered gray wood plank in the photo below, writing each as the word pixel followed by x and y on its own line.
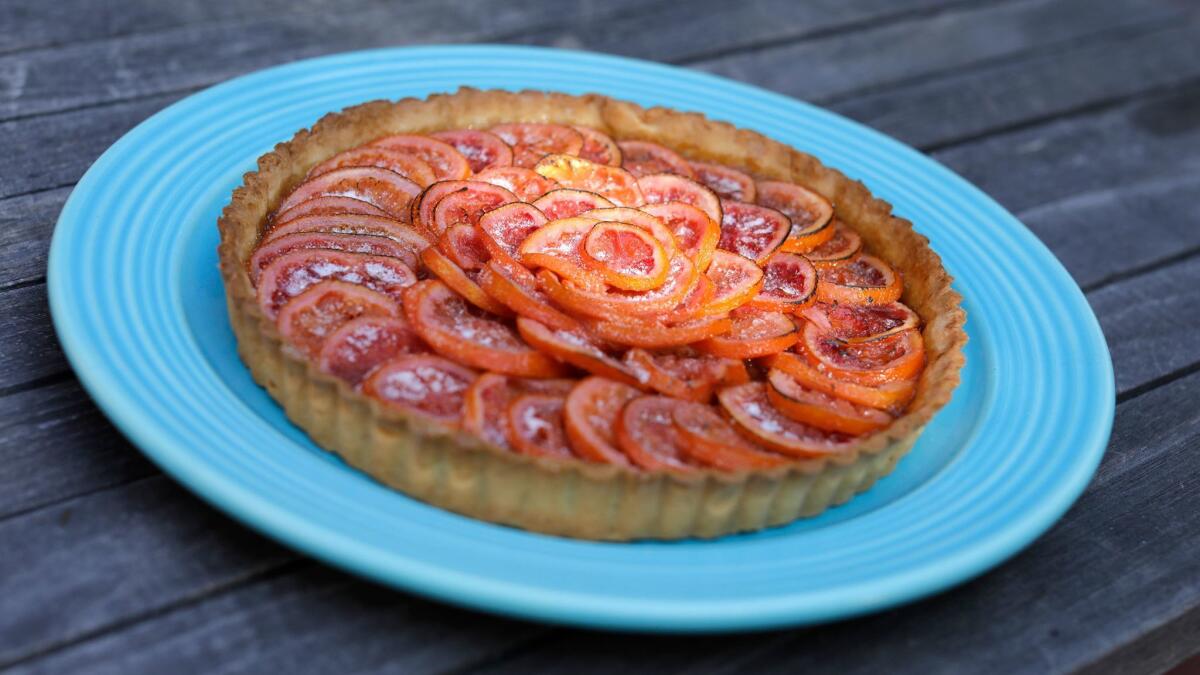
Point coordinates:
pixel 28 348
pixel 958 107
pixel 26 224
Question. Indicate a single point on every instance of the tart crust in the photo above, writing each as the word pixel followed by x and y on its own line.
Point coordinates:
pixel 573 498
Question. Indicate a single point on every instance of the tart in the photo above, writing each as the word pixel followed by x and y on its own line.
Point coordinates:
pixel 581 317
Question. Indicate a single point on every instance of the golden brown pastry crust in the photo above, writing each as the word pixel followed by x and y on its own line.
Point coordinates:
pixel 574 498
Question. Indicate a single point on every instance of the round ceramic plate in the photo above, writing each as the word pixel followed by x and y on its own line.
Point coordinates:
pixel 139 307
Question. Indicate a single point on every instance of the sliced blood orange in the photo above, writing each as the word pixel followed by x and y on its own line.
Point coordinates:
pixel 463 244
pixel 531 142
pixel 575 348
pixel 862 323
pixel 736 372
pixel 446 162
pixel 711 441
pixel 613 183
pixel 351 243
pixel 638 218
pixel 820 410
pixel 467 205
pixel 444 321
pixel 485 409
pixel 605 304
pixel 406 237
pixel 664 188
pixel 293 273
pixel 557 245
pixel 598 147
pixel 752 231
pixel 695 233
pixel 646 433
pixel 590 415
pixel 516 288
pixel 735 278
pixel 460 281
pixel 403 163
pixel 809 212
pixel 692 306
pixel 789 283
pixel 752 413
pixel 526 184
pixel 683 374
pixel 421 383
pixel 327 206
pixel 626 256
pixel 642 158
pixel 359 346
pixel 863 280
pixel 506 228
pixel 653 335
pixel 843 244
pixel 752 335
pixel 890 359
pixel 890 396
pixel 420 212
pixel 559 386
pixel 568 203
pixel 483 150
pixel 387 190
pixel 310 317
pixel 728 183
pixel 535 426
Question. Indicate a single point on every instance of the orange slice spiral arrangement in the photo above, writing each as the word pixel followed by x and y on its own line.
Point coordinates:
pixel 563 294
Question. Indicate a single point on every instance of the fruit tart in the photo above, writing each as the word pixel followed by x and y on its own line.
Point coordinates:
pixel 577 316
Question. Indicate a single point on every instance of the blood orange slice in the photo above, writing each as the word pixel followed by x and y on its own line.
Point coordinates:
pixel 654 335
pixel 464 245
pixel 460 281
pixel 407 165
pixel 843 244
pixel 359 346
pixel 310 317
pixel 483 150
pixel 575 348
pixel 862 323
pixel 808 211
pixel 387 190
pixel 646 433
pixel 485 409
pixel 267 252
pixel 421 383
pixel 625 256
pixel 557 245
pixel 752 231
pixel 507 227
pixel 516 288
pixel 446 162
pixel 711 441
pixel 642 158
pixel 728 183
pixel 890 359
pixel 535 426
pixel 638 218
pixel 789 284
pixel 327 206
pixel 531 142
pixel 443 320
pixel 692 306
pixel 467 205
pixel 421 210
pixel 613 183
pixel 598 147
pixel 752 335
pixel 590 415
pixel 568 203
pixel 735 279
pixel 889 396
pixel 526 184
pixel 695 233
pixel 863 280
pixel 820 410
pixel 752 413
pixel 293 273
pixel 664 188
pixel 685 375
pixel 604 304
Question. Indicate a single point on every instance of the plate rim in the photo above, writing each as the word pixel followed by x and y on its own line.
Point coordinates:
pixel 342 550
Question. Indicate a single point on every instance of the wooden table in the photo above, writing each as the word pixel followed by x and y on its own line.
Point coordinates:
pixel 1081 117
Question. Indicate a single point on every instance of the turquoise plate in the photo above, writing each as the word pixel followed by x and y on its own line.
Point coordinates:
pixel 139 308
